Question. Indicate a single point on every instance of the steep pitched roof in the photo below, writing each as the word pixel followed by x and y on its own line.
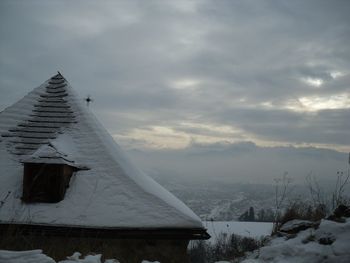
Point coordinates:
pixel 52 120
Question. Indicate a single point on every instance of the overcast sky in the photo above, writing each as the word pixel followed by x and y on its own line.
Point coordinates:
pixel 169 74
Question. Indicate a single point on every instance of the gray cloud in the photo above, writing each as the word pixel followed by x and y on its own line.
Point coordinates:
pixel 130 55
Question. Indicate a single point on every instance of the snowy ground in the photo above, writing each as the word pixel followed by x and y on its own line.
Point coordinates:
pixel 306 246
pixel 36 256
pixel 247 229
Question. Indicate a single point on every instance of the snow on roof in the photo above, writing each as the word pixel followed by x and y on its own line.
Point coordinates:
pixel 48 154
pixel 51 121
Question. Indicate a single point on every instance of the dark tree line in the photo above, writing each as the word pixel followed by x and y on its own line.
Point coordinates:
pixel 263 215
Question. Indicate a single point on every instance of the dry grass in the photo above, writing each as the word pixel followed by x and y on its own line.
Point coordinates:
pixel 227 247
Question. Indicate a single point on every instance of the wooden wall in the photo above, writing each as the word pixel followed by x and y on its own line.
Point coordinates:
pixel 125 250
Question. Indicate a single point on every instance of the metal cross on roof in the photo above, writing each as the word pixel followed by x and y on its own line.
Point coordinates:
pixel 88 100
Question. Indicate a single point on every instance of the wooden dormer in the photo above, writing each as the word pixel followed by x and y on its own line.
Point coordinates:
pixel 45 182
pixel 46 175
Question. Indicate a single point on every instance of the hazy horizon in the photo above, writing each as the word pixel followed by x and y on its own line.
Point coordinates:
pixel 242 162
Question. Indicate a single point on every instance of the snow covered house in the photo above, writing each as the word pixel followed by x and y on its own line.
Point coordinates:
pixel 66 186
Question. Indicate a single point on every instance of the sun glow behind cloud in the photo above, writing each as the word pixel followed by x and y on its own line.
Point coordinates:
pixel 337 74
pixel 181 135
pixel 316 103
pixel 313 82
pixel 185 83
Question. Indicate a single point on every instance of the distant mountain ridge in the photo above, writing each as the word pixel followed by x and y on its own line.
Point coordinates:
pixel 241 162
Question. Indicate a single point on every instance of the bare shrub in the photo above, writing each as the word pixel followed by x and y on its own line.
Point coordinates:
pixel 338 196
pixel 227 247
pixel 198 251
pixel 302 210
pixel 282 190
pixel 317 194
pixel 328 202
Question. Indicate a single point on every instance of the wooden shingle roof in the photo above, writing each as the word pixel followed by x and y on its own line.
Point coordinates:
pixel 51 113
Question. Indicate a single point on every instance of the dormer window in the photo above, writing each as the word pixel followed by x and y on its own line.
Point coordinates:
pixel 46 175
pixel 45 182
